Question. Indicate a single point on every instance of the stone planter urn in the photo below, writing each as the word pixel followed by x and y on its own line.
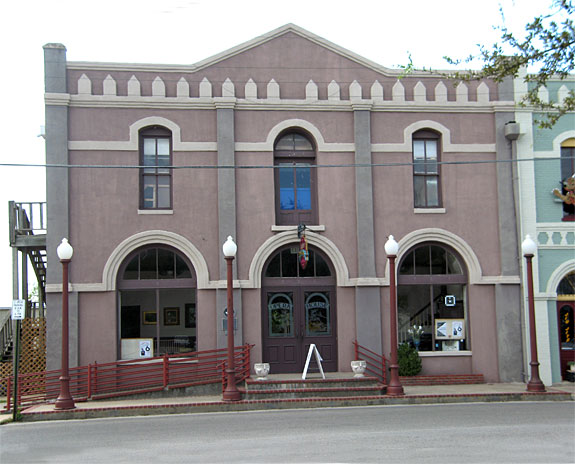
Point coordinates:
pixel 262 370
pixel 358 367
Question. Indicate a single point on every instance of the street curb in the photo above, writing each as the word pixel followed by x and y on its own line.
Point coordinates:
pixel 275 404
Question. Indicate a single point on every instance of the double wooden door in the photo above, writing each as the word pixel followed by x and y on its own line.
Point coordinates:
pixel 292 319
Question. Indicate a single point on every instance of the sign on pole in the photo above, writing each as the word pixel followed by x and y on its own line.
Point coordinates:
pixel 18 310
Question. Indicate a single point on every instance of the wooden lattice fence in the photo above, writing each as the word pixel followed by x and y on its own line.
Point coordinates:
pixel 32 351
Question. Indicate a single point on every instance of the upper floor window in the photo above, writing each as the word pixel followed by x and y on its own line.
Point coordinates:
pixel 156 175
pixel 295 180
pixel 426 181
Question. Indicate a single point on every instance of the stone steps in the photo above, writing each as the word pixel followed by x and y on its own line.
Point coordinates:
pixel 311 388
pixel 460 379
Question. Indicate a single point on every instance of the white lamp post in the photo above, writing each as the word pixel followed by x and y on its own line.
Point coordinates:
pixel 394 388
pixel 231 392
pixel 65 400
pixel 529 248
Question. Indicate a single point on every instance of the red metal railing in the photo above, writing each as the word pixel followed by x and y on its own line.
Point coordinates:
pixel 121 378
pixel 376 363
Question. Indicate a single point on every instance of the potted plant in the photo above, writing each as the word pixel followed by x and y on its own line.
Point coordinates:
pixel 408 360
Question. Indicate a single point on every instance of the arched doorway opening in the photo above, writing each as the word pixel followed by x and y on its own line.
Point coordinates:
pixel 157 303
pixel 298 309
pixel 565 320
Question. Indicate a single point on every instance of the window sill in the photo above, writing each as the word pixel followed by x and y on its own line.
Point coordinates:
pixel 429 354
pixel 155 211
pixel 288 228
pixel 429 210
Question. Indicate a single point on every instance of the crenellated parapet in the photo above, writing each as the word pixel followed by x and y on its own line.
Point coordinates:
pixel 137 88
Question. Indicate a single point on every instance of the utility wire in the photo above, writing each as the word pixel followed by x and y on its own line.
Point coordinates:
pixel 284 165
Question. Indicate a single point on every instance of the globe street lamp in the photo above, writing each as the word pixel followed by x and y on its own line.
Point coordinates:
pixel 65 400
pixel 394 388
pixel 529 248
pixel 231 392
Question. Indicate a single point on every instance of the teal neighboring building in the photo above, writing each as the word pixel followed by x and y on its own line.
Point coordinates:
pixel 544 168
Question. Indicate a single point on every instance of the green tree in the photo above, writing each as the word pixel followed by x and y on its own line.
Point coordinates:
pixel 548 46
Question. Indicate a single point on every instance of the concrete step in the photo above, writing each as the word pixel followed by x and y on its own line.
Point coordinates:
pixel 460 379
pixel 312 388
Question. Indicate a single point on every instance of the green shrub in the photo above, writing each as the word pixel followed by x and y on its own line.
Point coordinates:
pixel 408 360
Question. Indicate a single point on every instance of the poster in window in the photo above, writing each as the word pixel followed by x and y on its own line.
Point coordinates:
pixel 190 316
pixel 171 316
pixel 449 329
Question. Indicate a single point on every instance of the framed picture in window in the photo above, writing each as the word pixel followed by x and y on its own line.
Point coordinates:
pixel 190 316
pixel 150 318
pixel 171 316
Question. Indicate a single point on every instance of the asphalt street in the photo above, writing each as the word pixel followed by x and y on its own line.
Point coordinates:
pixel 522 432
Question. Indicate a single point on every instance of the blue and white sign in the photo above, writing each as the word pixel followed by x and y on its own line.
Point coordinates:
pixel 450 300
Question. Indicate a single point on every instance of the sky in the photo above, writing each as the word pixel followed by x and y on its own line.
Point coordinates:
pixel 188 31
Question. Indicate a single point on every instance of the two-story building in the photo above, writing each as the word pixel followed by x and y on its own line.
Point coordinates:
pixel 161 163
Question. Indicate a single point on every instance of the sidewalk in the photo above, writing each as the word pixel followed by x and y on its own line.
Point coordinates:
pixel 123 407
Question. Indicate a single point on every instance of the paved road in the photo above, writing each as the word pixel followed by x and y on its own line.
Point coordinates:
pixel 459 433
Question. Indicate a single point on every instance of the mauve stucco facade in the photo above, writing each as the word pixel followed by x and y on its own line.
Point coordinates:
pixel 103 216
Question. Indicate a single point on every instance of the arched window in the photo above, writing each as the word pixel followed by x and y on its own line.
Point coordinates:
pixel 426 171
pixel 295 180
pixel 566 321
pixel 431 296
pixel 157 288
pixel 156 175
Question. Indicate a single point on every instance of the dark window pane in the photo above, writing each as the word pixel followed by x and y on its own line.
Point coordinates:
pixel 273 269
pixel 407 267
pixel 422 264
pixel 438 265
pixel 148 266
pixel 567 285
pixel 131 272
pixel 321 267
pixel 289 263
pixel 182 269
pixel 166 264
pixel 453 265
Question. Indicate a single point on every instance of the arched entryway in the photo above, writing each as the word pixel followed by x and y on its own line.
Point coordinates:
pixel 157 303
pixel 298 309
pixel 565 319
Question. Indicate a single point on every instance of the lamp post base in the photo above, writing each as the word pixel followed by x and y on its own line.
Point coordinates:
pixel 231 393
pixel 535 384
pixel 394 388
pixel 65 400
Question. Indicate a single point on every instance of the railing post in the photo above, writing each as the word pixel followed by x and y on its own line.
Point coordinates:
pixel 89 392
pixel 166 378
pixel 356 349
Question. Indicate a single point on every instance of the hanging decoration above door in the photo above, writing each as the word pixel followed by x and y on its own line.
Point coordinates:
pixel 303 254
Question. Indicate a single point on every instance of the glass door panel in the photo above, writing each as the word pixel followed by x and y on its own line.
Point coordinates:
pixel 280 315
pixel 317 314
